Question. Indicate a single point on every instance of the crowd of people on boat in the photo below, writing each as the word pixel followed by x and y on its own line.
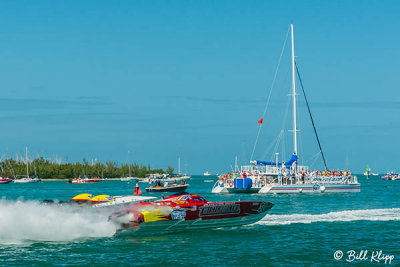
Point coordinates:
pixel 286 176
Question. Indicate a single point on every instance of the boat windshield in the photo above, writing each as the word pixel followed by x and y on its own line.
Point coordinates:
pixel 201 199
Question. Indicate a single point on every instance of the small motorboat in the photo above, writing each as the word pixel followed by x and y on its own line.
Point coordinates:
pixel 165 177
pixel 186 211
pixel 207 173
pixel 161 186
pixel 5 180
pixel 391 176
pixel 84 180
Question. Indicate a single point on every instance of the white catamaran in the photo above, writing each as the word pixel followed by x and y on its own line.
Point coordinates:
pixel 287 177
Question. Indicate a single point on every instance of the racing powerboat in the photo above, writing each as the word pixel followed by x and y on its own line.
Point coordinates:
pixel 186 211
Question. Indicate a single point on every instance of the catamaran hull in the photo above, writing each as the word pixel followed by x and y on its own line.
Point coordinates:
pixel 309 188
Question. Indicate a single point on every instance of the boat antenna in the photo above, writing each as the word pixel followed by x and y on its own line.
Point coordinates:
pixel 311 117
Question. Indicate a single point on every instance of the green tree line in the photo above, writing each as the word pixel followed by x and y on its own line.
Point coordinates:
pixel 45 169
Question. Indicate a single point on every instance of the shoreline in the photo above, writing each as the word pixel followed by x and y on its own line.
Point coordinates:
pixel 66 179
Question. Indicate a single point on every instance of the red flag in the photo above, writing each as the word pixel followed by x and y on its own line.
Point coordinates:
pixel 260 121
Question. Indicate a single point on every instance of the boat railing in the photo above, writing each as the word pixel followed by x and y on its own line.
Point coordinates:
pixel 316 179
pixel 270 170
pixel 262 180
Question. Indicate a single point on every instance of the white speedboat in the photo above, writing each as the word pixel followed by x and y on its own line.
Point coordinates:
pixel 267 177
pixel 207 173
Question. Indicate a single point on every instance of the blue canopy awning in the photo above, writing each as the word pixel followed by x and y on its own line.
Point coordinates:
pixel 287 163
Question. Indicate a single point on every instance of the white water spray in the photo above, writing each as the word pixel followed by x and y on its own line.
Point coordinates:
pixel 29 221
pixel 337 216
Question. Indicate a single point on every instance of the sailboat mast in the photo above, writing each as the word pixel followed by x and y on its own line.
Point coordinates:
pixel 294 95
pixel 27 164
pixel 129 159
pixel 179 165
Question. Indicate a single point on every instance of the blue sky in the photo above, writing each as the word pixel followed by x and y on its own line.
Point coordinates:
pixel 189 79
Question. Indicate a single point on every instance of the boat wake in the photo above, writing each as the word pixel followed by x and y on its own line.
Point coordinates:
pixel 30 221
pixel 338 216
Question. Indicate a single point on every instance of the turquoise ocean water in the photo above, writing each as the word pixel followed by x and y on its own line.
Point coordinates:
pixel 300 230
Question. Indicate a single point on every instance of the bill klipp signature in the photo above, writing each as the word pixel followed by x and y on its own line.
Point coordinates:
pixel 364 255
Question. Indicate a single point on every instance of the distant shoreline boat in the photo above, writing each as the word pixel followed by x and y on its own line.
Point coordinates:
pixel 207 173
pixel 4 180
pixel 27 179
pixel 129 178
pixel 84 180
pixel 391 176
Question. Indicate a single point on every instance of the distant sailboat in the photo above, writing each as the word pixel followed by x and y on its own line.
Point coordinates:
pixel 26 179
pixel 180 175
pixel 129 178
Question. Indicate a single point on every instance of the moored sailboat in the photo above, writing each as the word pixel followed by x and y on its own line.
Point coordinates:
pixel 27 179
pixel 129 177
